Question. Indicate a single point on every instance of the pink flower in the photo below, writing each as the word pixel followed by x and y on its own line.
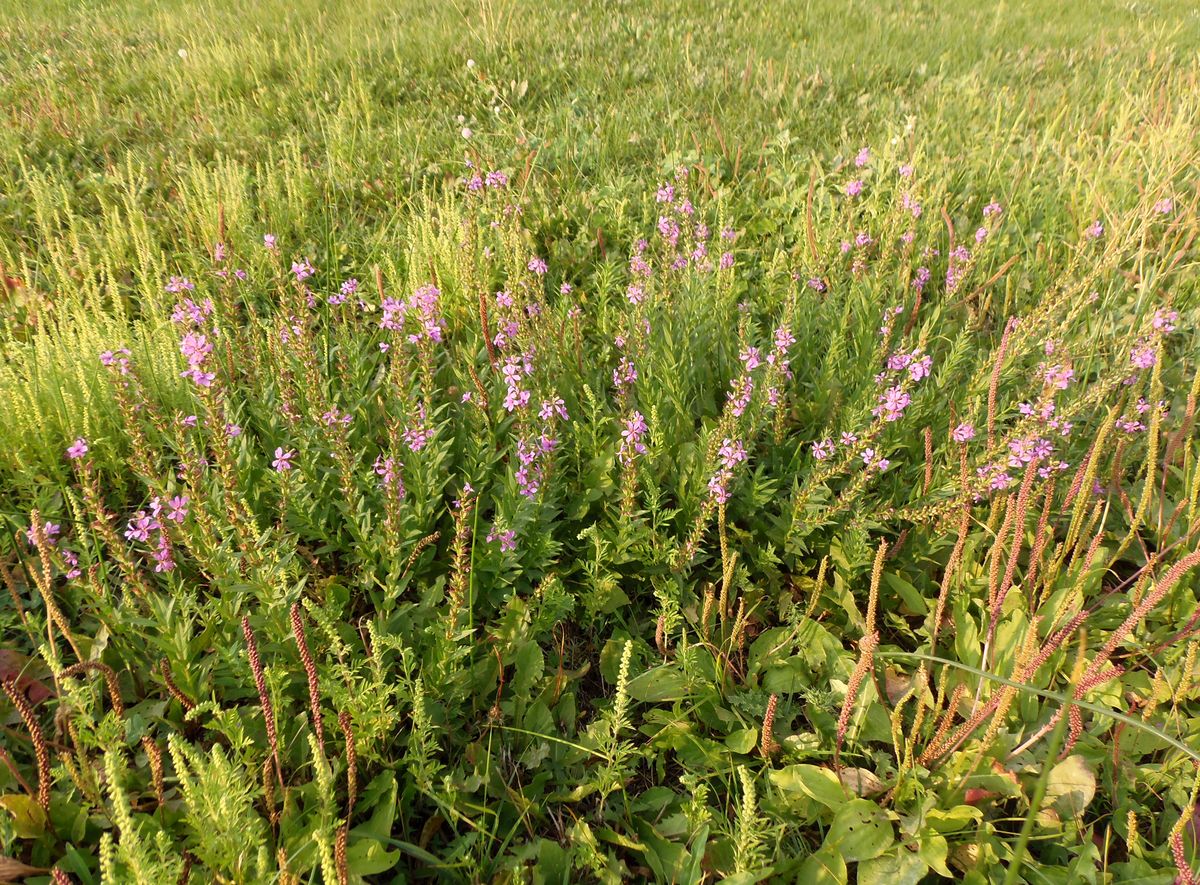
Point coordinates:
pixel 919 369
pixel 732 453
pixel 863 157
pixel 631 438
pixel 507 539
pixel 624 374
pixel 1164 206
pixel 49 529
pixel 283 460
pixel 854 188
pixel 1164 320
pixel 1095 231
pixel 1143 356
pixel 77 449
pixel 718 485
pixel 553 407
pixel 537 265
pixel 72 559
pixel 963 433
pixel 823 449
pixel 303 269
pixel 140 527
pixel 1058 377
pixel 892 403
pixel 178 507
pixel 269 242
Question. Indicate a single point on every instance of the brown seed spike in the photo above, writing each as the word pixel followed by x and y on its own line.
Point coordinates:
pixel 154 756
pixel 260 683
pixel 768 742
pixel 351 762
pixel 310 670
pixel 39 740
pixel 110 679
pixel 164 667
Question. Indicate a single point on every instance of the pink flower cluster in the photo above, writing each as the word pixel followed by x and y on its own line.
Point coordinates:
pixel 731 454
pixel 148 528
pixel 516 368
pixel 388 471
pixel 424 306
pixel 506 537
pixel 116 359
pixel 631 438
pixel 189 311
pixel 624 375
pixel 418 433
pixel 1045 414
pixel 195 349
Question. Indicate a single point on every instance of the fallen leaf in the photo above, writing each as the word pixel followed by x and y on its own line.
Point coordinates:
pixel 861 782
pixel 11 869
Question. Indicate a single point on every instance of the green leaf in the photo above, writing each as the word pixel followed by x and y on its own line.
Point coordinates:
pixel 530 665
pixel 952 819
pixel 743 740
pixel 1071 787
pixel 658 684
pixel 913 601
pixel 826 866
pixel 861 830
pixel 897 867
pixel 29 821
pixel 934 850
pixel 819 784
pixel 380 793
pixel 368 857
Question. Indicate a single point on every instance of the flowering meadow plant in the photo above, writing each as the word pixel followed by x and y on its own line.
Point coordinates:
pixel 821 524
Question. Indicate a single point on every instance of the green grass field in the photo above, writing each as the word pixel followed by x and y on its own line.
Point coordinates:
pixel 679 442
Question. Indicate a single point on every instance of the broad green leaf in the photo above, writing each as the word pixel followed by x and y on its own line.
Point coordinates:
pixel 1071 787
pixel 826 866
pixel 659 684
pixel 819 784
pixel 950 820
pixel 861 830
pixel 898 867
pixel 743 740
pixel 29 821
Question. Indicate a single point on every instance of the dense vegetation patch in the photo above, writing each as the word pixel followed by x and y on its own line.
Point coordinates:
pixel 510 510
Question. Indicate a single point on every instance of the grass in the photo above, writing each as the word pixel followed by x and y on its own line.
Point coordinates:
pixel 401 624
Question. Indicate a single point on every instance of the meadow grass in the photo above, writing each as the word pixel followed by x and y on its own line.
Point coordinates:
pixel 597 442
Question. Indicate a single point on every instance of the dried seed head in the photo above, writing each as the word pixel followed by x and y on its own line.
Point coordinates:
pixel 164 668
pixel 310 670
pixel 351 762
pixel 768 745
pixel 154 756
pixel 110 679
pixel 260 683
pixel 22 705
